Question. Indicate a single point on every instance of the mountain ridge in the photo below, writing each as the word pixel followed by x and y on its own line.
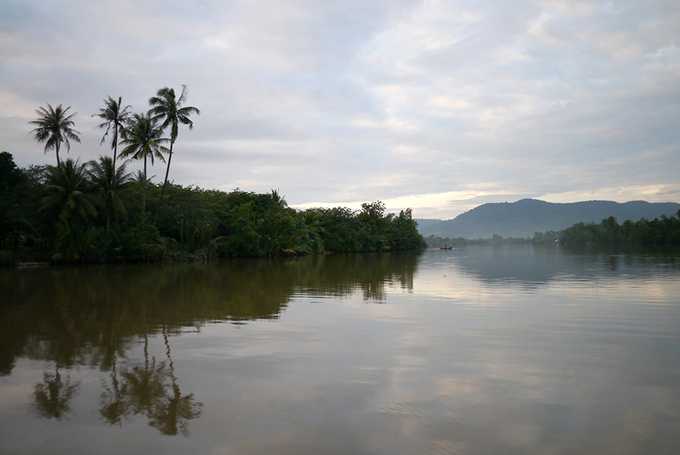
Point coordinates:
pixel 524 217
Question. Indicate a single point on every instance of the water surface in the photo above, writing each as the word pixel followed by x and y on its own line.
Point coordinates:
pixel 471 351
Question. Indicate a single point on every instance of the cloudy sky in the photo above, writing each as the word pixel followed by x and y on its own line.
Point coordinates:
pixel 439 106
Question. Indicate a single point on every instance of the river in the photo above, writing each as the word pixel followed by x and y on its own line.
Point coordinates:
pixel 478 350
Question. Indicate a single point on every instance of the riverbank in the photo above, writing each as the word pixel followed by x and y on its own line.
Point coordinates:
pixel 71 214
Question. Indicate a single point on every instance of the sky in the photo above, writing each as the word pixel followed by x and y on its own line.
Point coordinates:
pixel 438 106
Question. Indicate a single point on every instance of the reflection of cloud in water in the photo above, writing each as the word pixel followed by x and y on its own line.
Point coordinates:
pixel 504 272
pixel 592 377
pixel 565 367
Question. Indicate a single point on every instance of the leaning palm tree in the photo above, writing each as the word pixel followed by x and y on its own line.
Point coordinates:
pixel 167 109
pixel 114 116
pixel 54 127
pixel 109 183
pixel 142 140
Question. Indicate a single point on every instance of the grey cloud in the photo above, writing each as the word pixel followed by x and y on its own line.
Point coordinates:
pixel 345 101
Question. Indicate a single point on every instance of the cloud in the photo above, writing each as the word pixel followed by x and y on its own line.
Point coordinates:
pixel 652 193
pixel 357 101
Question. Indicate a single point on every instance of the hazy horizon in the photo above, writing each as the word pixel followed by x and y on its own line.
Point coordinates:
pixel 541 200
pixel 436 106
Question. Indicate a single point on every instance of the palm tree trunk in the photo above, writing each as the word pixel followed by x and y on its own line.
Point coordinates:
pixel 144 191
pixel 167 169
pixel 57 151
pixel 115 147
pixel 115 134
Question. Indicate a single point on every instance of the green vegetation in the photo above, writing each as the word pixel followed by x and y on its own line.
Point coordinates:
pixel 54 127
pixel 115 116
pixel 169 111
pixel 90 212
pixel 97 212
pixel 659 233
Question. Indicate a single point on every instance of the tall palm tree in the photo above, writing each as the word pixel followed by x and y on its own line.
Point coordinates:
pixel 114 116
pixel 109 183
pixel 170 111
pixel 142 140
pixel 54 127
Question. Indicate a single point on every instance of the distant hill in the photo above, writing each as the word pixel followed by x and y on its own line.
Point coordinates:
pixel 526 216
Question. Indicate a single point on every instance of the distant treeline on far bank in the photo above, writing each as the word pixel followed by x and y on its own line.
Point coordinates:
pixel 655 235
pixel 93 212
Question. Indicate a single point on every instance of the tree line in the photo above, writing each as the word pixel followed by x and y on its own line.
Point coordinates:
pixel 657 234
pixel 98 211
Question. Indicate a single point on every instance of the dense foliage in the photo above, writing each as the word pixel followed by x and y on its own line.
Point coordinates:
pixel 659 233
pixel 97 212
pixel 92 212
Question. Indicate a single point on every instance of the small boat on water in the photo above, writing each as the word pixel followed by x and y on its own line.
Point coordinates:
pixel 445 247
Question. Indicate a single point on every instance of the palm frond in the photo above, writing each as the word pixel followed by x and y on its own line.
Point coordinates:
pixel 188 110
pixel 183 95
pixel 54 126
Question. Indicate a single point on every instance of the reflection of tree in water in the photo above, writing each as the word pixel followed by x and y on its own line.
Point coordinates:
pixel 342 274
pixel 174 409
pixel 112 398
pixel 153 391
pixel 135 392
pixel 143 386
pixel 532 266
pixel 52 396
pixel 92 316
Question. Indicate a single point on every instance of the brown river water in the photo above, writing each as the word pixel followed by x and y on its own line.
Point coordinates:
pixel 480 350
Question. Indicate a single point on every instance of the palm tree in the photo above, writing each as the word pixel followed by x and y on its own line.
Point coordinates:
pixel 109 182
pixel 114 116
pixel 168 109
pixel 55 126
pixel 67 198
pixel 142 140
pixel 67 193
